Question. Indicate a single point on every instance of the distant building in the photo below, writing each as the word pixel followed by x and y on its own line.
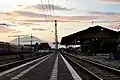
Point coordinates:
pixel 44 46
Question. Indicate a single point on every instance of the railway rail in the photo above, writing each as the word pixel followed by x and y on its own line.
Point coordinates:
pixel 17 73
pixel 18 62
pixel 92 70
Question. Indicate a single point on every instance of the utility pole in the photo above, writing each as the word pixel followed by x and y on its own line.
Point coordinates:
pixel 31 42
pixel 118 27
pixel 56 36
pixel 18 36
pixel 19 41
pixel 92 23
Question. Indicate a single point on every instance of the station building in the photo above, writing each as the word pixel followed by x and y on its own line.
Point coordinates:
pixel 96 39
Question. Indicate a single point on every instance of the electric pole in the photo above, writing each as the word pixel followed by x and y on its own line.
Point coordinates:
pixel 56 36
pixel 92 23
pixel 19 41
pixel 31 42
pixel 18 36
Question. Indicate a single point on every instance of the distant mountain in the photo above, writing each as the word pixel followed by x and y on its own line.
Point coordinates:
pixel 27 40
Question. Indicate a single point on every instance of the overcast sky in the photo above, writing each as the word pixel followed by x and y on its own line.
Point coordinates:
pixel 30 16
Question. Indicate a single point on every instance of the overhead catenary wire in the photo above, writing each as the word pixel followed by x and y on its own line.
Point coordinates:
pixel 49 10
pixel 51 6
pixel 46 18
pixel 53 11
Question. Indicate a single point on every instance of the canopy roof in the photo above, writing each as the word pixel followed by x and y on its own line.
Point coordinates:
pixel 96 32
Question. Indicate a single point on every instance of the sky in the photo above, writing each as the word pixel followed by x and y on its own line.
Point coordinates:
pixel 36 17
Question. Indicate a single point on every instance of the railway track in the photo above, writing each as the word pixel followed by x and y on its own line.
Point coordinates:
pixel 18 62
pixel 16 73
pixel 90 70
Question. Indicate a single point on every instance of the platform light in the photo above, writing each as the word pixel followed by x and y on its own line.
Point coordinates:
pixel 101 29
pixel 92 39
pixel 96 38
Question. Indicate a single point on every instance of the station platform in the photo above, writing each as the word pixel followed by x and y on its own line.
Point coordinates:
pixel 54 67
pixel 63 72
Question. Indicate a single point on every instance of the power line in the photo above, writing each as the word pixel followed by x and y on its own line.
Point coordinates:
pixel 50 21
pixel 44 10
pixel 51 10
pixel 50 17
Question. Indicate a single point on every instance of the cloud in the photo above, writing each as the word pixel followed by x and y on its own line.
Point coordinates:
pixel 6 13
pixel 34 18
pixel 49 21
pixel 19 5
pixel 85 17
pixel 21 15
pixel 5 30
pixel 7 16
pixel 59 18
pixel 30 14
pixel 38 29
pixel 110 16
pixel 111 1
pixel 105 13
pixel 76 17
pixel 31 17
pixel 29 23
pixel 68 29
pixel 47 7
pixel 16 31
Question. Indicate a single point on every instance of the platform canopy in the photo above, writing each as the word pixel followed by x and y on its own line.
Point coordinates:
pixel 91 33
